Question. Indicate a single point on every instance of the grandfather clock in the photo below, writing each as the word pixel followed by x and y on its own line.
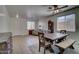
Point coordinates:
pixel 50 26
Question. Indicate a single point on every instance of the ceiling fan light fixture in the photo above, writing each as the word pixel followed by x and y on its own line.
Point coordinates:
pixel 56 11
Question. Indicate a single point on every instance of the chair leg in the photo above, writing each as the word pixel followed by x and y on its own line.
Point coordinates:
pixel 61 50
pixel 39 48
pixel 44 51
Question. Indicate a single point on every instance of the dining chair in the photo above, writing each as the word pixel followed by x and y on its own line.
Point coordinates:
pixel 43 43
pixel 63 31
pixel 63 38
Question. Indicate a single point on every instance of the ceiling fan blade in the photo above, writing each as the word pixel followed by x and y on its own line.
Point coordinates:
pixel 62 7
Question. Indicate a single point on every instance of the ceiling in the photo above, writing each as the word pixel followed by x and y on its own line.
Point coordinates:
pixel 31 11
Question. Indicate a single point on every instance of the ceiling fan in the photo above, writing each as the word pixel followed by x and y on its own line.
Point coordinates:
pixel 56 7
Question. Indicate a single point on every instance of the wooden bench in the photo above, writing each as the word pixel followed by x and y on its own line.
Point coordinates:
pixel 65 44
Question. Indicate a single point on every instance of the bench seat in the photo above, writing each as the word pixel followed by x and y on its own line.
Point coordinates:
pixel 66 43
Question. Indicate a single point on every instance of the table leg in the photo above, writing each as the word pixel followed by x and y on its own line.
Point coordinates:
pixel 71 47
pixel 61 50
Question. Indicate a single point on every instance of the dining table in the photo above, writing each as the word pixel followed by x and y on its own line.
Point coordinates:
pixel 55 36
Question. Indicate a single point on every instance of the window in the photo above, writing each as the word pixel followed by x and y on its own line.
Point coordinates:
pixel 61 23
pixel 66 23
pixel 30 25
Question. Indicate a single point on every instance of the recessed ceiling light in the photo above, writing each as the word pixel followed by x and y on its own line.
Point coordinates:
pixel 2 14
pixel 17 15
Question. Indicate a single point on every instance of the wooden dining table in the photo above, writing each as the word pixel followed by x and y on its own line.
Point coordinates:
pixel 55 36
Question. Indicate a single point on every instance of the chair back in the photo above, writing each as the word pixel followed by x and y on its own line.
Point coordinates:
pixel 41 37
pixel 63 31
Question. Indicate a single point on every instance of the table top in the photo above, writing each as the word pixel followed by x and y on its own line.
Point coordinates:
pixel 54 36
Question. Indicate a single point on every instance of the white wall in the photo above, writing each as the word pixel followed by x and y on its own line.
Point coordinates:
pixel 4 19
pixel 9 24
pixel 12 24
pixel 43 23
pixel 18 26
